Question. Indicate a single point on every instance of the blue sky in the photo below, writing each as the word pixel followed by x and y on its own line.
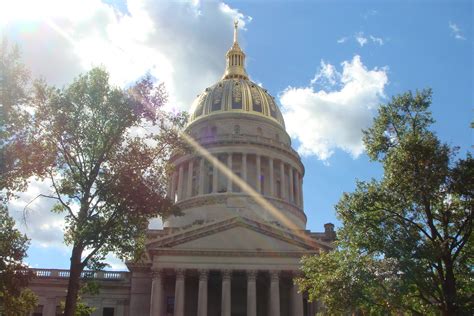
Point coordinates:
pixel 360 53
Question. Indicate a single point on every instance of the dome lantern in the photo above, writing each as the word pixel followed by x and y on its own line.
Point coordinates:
pixel 235 65
pixel 235 92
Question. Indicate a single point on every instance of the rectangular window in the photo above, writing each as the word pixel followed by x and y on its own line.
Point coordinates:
pixel 108 311
pixel 257 107
pixel 38 311
pixel 170 305
pixel 236 105
pixel 216 106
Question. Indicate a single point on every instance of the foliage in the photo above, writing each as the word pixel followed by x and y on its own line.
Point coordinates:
pixel 88 287
pixel 14 80
pixel 15 299
pixel 104 150
pixel 406 240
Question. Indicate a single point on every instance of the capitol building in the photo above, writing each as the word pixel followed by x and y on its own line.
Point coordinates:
pixel 238 243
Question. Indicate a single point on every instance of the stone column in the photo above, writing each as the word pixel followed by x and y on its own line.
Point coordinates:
pixel 180 182
pixel 296 301
pixel 179 293
pixel 297 187
pixel 274 293
pixel 282 180
pixel 156 304
pixel 214 177
pixel 292 192
pixel 251 293
pixel 272 181
pixel 258 182
pixel 189 187
pixel 226 295
pixel 173 186
pixel 202 176
pixel 244 167
pixel 229 165
pixel 49 308
pixel 301 192
pixel 202 294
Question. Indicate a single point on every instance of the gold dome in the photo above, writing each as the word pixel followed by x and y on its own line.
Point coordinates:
pixel 235 92
pixel 236 95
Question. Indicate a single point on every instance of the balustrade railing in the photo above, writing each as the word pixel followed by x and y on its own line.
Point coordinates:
pixel 64 274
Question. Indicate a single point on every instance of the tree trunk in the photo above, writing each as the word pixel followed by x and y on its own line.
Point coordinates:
pixel 74 281
pixel 449 288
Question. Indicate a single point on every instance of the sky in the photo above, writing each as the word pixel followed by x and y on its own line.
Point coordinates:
pixel 329 64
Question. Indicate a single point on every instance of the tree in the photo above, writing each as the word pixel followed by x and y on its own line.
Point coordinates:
pixel 14 83
pixel 406 240
pixel 15 298
pixel 104 151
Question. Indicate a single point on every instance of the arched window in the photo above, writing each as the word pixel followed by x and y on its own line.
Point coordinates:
pixel 259 131
pixel 237 129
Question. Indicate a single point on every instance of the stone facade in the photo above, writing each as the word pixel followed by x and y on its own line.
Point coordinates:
pixel 237 247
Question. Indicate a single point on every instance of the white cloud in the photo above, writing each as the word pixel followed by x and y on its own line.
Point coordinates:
pixel 327 77
pixel 342 40
pixel 34 217
pixel 325 120
pixel 181 43
pixel 361 39
pixel 377 40
pixel 456 31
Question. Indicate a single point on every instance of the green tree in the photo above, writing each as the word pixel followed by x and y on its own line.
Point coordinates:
pixel 14 93
pixel 104 150
pixel 15 298
pixel 406 240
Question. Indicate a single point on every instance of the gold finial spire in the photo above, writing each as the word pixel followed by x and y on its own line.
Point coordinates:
pixel 235 67
pixel 236 24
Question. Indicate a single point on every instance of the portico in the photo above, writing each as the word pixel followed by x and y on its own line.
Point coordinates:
pixel 236 266
pixel 278 294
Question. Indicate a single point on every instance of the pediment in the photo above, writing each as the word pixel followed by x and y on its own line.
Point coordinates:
pixel 238 234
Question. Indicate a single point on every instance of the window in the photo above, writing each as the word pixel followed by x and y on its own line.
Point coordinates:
pixel 170 305
pixel 259 131
pixel 237 129
pixel 38 311
pixel 257 107
pixel 108 311
pixel 216 106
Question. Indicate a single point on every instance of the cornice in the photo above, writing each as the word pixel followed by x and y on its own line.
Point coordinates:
pixel 221 198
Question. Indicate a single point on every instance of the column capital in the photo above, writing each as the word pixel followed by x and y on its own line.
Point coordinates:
pixel 157 274
pixel 203 274
pixel 251 275
pixel 274 275
pixel 180 273
pixel 226 274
